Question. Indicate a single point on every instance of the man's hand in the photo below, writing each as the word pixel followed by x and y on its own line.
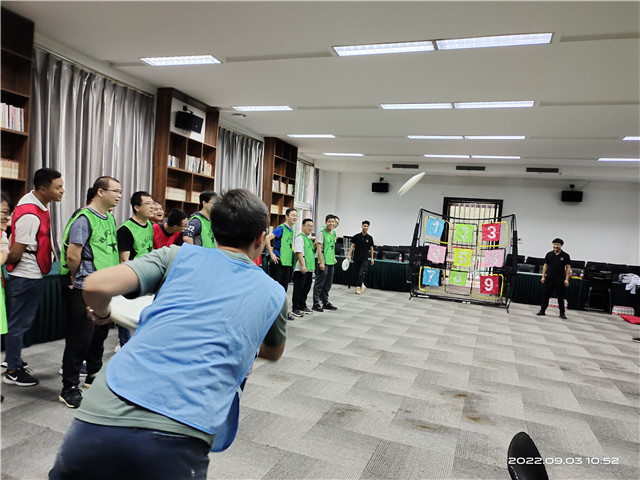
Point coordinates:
pixel 542 279
pixel 321 266
pixel 303 270
pixel 98 319
pixel 566 283
pixel 371 261
pixel 274 259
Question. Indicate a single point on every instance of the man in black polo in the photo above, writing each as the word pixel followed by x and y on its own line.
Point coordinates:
pixel 555 276
pixel 363 245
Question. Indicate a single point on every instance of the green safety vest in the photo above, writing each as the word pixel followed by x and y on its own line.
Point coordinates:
pixel 309 257
pixel 142 237
pixel 206 233
pixel 329 247
pixel 103 241
pixel 286 246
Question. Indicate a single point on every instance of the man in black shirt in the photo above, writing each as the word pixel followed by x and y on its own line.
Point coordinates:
pixel 363 244
pixel 555 276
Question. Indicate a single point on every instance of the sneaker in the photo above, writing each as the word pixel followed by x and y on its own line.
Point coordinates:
pixel 19 377
pixel 328 306
pixel 540 313
pixel 307 310
pixel 83 369
pixel 636 339
pixel 297 313
pixel 317 308
pixel 24 366
pixel 358 291
pixel 363 287
pixel 117 348
pixel 563 316
pixel 89 381
pixel 71 397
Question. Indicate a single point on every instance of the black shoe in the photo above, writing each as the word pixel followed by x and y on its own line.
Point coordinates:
pixel 25 366
pixel 296 313
pixel 328 306
pixel 19 377
pixel 71 397
pixel 89 381
pixel 636 339
pixel 317 308
pixel 540 313
pixel 306 310
pixel 563 316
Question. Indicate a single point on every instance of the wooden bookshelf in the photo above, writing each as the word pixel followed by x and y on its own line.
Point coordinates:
pixel 15 85
pixel 178 185
pixel 280 161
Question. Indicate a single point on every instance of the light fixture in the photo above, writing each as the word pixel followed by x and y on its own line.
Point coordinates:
pixel 494 137
pixel 382 48
pixel 416 106
pixel 180 60
pixel 311 135
pixel 631 139
pixel 514 104
pixel 435 137
pixel 619 159
pixel 263 108
pixel 343 154
pixel 428 155
pixel 498 157
pixel 495 41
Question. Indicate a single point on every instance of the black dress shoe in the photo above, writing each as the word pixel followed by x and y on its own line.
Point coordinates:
pixel 317 308
pixel 328 306
pixel 563 316
pixel 540 313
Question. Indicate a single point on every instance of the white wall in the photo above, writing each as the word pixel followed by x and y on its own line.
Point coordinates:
pixel 604 227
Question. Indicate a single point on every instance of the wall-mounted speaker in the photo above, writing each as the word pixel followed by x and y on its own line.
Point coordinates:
pixel 571 196
pixel 189 121
pixel 380 187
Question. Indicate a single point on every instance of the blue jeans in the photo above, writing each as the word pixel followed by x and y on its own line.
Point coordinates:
pixel 124 335
pixel 100 452
pixel 25 297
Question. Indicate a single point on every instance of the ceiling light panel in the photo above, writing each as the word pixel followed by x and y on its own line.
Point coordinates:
pixel 514 104
pixel 619 159
pixel 495 41
pixel 311 135
pixel 330 154
pixel 415 106
pixel 180 60
pixel 430 155
pixel 631 139
pixel 384 48
pixel 263 108
pixel 494 137
pixel 435 137
pixel 498 157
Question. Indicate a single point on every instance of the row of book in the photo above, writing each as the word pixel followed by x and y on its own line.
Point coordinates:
pixel 192 164
pixel 180 195
pixel 9 168
pixel 282 187
pixel 11 117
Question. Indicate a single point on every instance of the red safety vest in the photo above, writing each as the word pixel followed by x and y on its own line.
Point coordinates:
pixel 43 236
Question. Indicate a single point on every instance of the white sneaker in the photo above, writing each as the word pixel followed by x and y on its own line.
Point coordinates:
pixel 363 287
pixel 117 348
pixel 358 291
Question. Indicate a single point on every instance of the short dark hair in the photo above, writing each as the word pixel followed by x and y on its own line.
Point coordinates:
pixel 329 217
pixel 206 196
pixel 91 194
pixel 238 218
pixel 101 182
pixel 557 240
pixel 289 210
pixel 175 217
pixel 44 177
pixel 136 199
pixel 6 198
pixel 366 222
pixel 307 220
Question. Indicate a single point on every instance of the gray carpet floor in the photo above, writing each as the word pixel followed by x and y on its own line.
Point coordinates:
pixel 389 387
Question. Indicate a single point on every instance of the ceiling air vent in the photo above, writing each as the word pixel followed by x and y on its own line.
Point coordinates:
pixel 542 170
pixel 413 166
pixel 475 168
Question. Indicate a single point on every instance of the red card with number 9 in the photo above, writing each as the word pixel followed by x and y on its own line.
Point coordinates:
pixel 489 284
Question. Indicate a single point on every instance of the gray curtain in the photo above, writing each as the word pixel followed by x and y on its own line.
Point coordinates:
pixel 239 162
pixel 85 126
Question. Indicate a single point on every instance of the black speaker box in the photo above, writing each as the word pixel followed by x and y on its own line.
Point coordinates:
pixel 571 196
pixel 189 121
pixel 380 187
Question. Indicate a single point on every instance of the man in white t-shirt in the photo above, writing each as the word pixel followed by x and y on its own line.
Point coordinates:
pixel 28 261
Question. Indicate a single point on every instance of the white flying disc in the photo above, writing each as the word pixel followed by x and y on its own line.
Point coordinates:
pixel 408 185
pixel 126 312
pixel 345 264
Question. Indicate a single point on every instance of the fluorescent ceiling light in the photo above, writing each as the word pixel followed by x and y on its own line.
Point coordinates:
pixel 445 156
pixel 415 106
pixel 515 104
pixel 180 60
pixel 632 139
pixel 495 41
pixel 260 108
pixel 619 159
pixel 311 135
pixel 343 154
pixel 498 157
pixel 382 48
pixel 494 137
pixel 435 137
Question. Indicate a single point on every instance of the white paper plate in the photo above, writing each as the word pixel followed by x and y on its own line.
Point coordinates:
pixel 408 185
pixel 126 312
pixel 345 264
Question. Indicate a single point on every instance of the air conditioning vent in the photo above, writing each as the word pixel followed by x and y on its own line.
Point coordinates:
pixel 413 166
pixel 475 168
pixel 542 170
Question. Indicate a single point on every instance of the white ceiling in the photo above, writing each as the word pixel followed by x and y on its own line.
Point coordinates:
pixel 585 84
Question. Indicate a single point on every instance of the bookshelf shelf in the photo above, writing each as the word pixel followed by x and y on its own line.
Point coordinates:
pixel 280 161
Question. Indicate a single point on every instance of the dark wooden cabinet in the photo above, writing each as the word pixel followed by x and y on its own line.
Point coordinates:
pixel 280 161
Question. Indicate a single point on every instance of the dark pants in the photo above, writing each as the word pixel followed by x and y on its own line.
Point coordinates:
pixel 83 340
pixel 361 266
pixel 301 286
pixel 280 274
pixel 100 452
pixel 324 280
pixel 548 287
pixel 25 297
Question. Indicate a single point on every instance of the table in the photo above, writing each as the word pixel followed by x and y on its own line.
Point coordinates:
pixel 528 290
pixel 383 274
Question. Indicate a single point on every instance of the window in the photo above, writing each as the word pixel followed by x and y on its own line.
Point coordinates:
pixel 305 192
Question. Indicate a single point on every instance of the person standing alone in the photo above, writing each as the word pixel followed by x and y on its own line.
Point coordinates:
pixel 363 245
pixel 555 276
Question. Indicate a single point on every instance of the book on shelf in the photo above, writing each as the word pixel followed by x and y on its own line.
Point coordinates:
pixel 283 187
pixel 9 168
pixel 195 197
pixel 275 209
pixel 290 189
pixel 276 185
pixel 11 117
pixel 174 161
pixel 173 193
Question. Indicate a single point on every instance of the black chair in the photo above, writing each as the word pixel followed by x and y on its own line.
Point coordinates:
pixel 526 267
pixel 599 288
pixel 537 262
pixel 635 269
pixel 594 269
pixel 521 449
pixel 509 259
pixel 577 264
pixel 388 255
pixel 616 269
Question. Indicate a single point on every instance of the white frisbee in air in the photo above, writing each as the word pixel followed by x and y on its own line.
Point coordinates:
pixel 409 184
pixel 345 264
pixel 126 312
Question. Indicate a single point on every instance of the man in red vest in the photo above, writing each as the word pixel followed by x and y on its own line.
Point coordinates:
pixel 29 260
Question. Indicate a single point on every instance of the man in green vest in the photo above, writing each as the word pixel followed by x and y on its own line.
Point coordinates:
pixel 90 243
pixel 198 231
pixel 281 253
pixel 135 238
pixel 326 245
pixel 305 265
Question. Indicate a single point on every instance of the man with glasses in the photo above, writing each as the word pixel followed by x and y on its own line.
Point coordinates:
pixel 198 231
pixel 89 244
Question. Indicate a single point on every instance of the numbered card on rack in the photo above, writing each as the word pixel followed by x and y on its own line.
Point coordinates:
pixel 489 284
pixel 462 257
pixel 463 233
pixel 458 277
pixel 493 258
pixel 434 227
pixel 437 253
pixel 491 232
pixel 430 276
